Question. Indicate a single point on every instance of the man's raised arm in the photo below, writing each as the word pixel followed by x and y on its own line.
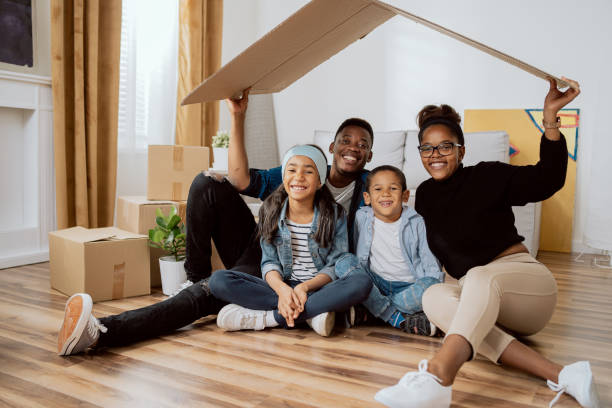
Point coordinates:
pixel 238 162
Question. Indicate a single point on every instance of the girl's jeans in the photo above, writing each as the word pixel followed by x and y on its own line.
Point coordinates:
pixel 351 287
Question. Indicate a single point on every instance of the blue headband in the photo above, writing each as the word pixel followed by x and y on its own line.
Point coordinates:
pixel 312 153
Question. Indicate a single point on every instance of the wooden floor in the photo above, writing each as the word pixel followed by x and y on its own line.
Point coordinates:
pixel 204 366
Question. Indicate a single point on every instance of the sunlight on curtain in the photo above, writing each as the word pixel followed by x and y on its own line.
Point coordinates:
pixel 147 87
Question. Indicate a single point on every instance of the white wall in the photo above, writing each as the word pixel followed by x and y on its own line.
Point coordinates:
pixel 401 66
pixel 239 31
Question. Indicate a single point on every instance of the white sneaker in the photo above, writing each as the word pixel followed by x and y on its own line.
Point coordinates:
pixel 80 329
pixel 577 380
pixel 184 285
pixel 419 389
pixel 233 317
pixel 323 323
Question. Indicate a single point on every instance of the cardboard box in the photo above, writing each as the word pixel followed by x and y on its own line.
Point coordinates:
pixel 137 214
pixel 107 263
pixel 171 169
pixel 309 37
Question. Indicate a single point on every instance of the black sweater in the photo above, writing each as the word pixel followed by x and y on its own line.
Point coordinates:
pixel 469 216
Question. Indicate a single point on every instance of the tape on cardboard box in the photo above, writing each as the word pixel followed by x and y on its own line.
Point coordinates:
pixel 177 158
pixel 118 280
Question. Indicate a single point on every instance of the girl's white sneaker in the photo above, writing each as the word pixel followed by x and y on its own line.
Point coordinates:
pixel 323 324
pixel 234 317
pixel 577 380
pixel 419 389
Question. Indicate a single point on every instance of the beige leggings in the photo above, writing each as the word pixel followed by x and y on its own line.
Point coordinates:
pixel 514 294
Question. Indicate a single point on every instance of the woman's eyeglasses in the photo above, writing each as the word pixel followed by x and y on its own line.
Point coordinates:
pixel 444 148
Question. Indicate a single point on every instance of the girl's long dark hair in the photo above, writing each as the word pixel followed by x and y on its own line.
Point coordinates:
pixel 271 208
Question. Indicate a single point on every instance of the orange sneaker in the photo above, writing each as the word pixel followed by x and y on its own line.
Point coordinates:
pixel 80 329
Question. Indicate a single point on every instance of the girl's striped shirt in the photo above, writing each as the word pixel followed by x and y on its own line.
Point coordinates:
pixel 303 265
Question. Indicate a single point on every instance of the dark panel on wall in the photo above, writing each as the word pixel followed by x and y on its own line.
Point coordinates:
pixel 16 32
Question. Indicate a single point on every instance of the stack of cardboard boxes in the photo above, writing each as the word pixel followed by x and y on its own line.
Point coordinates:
pixel 116 262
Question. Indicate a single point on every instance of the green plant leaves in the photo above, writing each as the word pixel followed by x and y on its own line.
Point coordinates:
pixel 173 222
pixel 169 233
pixel 161 222
pixel 221 139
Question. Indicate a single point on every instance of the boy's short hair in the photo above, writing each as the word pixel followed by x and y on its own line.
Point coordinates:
pixel 386 167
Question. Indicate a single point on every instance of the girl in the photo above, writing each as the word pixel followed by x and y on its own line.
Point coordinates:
pixel 307 270
pixel 501 288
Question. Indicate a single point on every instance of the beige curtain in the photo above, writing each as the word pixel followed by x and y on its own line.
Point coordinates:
pixel 200 32
pixel 85 47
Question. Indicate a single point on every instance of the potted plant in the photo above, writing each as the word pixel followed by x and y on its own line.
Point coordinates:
pixel 220 143
pixel 169 235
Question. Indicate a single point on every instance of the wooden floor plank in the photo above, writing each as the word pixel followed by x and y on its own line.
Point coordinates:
pixel 203 366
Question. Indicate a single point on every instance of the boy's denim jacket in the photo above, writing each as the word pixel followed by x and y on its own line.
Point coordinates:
pixel 413 241
pixel 279 257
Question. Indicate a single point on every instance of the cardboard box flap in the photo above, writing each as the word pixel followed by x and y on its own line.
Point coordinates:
pixel 309 37
pixel 82 235
pixel 115 234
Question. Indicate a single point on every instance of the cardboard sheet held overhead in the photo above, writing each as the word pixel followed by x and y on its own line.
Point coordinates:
pixel 309 37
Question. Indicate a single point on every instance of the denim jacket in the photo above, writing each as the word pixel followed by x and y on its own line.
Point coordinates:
pixel 264 182
pixel 413 242
pixel 279 257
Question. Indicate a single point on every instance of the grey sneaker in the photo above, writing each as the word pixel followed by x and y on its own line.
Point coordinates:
pixel 80 329
pixel 233 317
pixel 323 323
pixel 418 323
pixel 184 285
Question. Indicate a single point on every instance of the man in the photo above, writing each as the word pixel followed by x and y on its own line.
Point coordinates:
pixel 215 209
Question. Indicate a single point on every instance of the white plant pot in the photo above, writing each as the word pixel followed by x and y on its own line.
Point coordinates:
pixel 172 274
pixel 220 154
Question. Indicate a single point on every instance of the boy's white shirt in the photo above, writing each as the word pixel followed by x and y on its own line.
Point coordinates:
pixel 419 256
pixel 386 258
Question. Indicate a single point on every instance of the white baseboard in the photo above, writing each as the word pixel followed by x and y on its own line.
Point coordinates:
pixel 24 259
pixel 580 246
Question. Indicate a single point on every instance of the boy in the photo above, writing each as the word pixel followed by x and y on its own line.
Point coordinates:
pixel 391 244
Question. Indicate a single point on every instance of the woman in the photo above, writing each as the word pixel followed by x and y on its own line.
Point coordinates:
pixel 501 288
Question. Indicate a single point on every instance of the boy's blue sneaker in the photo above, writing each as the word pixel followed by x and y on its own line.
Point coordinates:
pixel 397 320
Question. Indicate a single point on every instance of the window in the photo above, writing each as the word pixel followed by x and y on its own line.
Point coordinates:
pixel 148 74
pixel 148 77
